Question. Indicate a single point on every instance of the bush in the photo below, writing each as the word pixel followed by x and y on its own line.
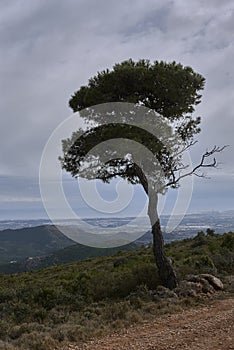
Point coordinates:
pixel 228 242
pixel 7 346
pixel 199 240
pixel 46 297
pixel 37 341
pixel 205 264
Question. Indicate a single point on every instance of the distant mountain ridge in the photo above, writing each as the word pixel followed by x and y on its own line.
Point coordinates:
pixel 70 254
pixel 38 247
pixel 18 244
pixel 35 247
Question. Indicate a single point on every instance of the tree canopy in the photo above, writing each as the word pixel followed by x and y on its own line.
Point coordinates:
pixel 169 90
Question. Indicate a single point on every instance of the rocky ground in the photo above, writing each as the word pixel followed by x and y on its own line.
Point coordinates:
pixel 204 328
pixel 209 327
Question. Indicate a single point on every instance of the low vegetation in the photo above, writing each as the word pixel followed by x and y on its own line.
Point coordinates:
pixel 74 302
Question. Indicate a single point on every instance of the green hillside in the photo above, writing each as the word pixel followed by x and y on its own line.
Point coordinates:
pixel 41 309
pixel 18 244
pixel 75 252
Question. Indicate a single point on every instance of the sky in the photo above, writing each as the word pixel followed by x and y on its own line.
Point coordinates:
pixel 49 48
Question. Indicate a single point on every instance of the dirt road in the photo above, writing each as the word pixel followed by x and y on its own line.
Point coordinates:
pixel 208 327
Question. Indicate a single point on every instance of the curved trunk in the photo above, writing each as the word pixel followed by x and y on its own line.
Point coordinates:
pixel 166 271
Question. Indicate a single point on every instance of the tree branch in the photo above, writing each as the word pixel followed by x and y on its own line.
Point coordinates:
pixel 202 164
pixel 190 144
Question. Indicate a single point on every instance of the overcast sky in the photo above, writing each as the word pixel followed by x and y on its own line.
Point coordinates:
pixel 49 48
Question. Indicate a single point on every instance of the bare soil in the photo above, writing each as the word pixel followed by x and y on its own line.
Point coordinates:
pixel 209 327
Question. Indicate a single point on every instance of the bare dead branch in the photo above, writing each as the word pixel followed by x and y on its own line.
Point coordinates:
pixel 202 164
pixel 190 144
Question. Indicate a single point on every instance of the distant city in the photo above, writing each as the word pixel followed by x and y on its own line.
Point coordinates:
pixel 220 222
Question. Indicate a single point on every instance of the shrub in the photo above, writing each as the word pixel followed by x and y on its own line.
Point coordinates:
pixel 199 240
pixel 7 346
pixel 37 341
pixel 205 263
pixel 46 297
pixel 228 242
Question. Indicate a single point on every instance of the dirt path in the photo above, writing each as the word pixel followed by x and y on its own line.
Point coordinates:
pixel 204 328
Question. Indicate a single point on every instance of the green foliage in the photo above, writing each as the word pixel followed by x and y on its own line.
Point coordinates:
pixel 76 301
pixel 228 242
pixel 168 88
pixel 205 263
pixel 200 239
pixel 210 232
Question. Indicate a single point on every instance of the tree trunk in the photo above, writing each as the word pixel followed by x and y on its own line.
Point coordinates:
pixel 166 271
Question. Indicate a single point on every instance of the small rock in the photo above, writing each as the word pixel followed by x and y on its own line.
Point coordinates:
pixel 205 286
pixel 215 282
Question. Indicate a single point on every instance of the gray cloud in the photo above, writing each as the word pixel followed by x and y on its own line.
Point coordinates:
pixel 50 48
